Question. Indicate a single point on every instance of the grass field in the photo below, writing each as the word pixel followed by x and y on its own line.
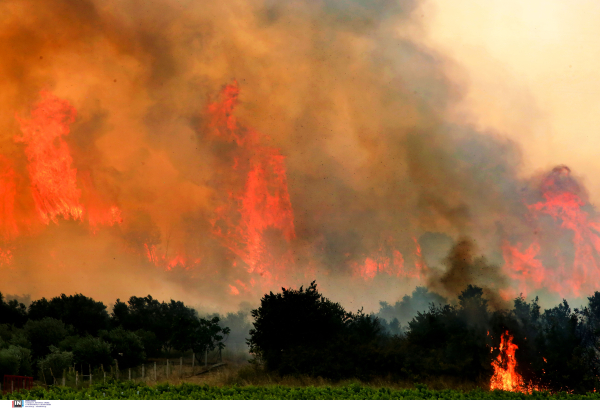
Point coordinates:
pixel 139 391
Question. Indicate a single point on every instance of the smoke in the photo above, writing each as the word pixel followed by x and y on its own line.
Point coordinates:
pixel 333 109
pixel 463 268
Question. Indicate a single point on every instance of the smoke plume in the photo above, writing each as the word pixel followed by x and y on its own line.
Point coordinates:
pixel 210 151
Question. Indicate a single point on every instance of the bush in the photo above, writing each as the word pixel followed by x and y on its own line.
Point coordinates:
pixel 152 345
pixel 301 332
pixel 127 347
pixel 54 364
pixel 44 333
pixel 10 362
pixel 92 351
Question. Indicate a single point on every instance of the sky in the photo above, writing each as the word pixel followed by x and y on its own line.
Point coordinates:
pixel 531 70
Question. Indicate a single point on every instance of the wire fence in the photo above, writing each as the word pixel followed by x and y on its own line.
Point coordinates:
pixel 153 370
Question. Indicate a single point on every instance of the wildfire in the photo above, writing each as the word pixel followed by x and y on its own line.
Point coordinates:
pixel 388 259
pixel 53 178
pixel 52 182
pixel 262 203
pixel 505 375
pixel 545 263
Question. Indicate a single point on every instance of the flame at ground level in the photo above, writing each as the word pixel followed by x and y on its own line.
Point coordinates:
pixel 505 375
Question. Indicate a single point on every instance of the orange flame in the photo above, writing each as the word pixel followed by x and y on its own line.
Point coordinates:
pixel 563 202
pixel 53 178
pixel 505 375
pixel 52 175
pixel 8 191
pixel 387 259
pixel 263 203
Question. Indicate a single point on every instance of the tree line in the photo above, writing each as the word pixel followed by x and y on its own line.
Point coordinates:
pixel 300 332
pixel 52 335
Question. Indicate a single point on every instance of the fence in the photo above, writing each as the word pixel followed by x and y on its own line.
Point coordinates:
pixel 153 370
pixel 16 382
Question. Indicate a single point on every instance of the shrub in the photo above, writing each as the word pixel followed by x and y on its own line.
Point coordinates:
pixel 44 333
pixel 53 365
pixel 93 351
pixel 127 347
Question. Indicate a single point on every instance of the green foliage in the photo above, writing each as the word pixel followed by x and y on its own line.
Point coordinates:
pixel 52 366
pixel 9 362
pixel 44 333
pixel 201 335
pixel 133 391
pixel 127 347
pixel 92 351
pixel 174 325
pixel 84 314
pixel 151 344
pixel 15 360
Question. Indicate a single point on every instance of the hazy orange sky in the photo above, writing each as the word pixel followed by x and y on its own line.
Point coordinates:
pixel 531 70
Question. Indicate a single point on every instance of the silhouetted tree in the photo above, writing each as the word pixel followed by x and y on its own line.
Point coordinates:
pixel 12 312
pixel 561 345
pixel 448 340
pixel 84 314
pixel 144 313
pixel 44 333
pixel 302 332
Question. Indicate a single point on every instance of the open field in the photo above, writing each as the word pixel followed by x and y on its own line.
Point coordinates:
pixel 130 390
pixel 242 381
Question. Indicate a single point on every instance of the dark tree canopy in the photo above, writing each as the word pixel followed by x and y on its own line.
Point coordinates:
pixel 300 331
pixel 84 314
pixel 12 312
pixel 143 313
pixel 44 333
pixel 173 325
pixel 127 347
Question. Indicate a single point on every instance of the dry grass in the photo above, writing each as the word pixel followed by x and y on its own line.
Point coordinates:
pixel 242 373
pixel 238 371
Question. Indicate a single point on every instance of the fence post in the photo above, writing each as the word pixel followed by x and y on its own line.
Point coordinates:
pixel 117 368
pixel 76 377
pixel 143 373
pixel 63 379
pixel 90 374
pixel 167 369
pixel 180 366
pixel 193 362
pixel 206 357
pixel 104 376
pixel 155 371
